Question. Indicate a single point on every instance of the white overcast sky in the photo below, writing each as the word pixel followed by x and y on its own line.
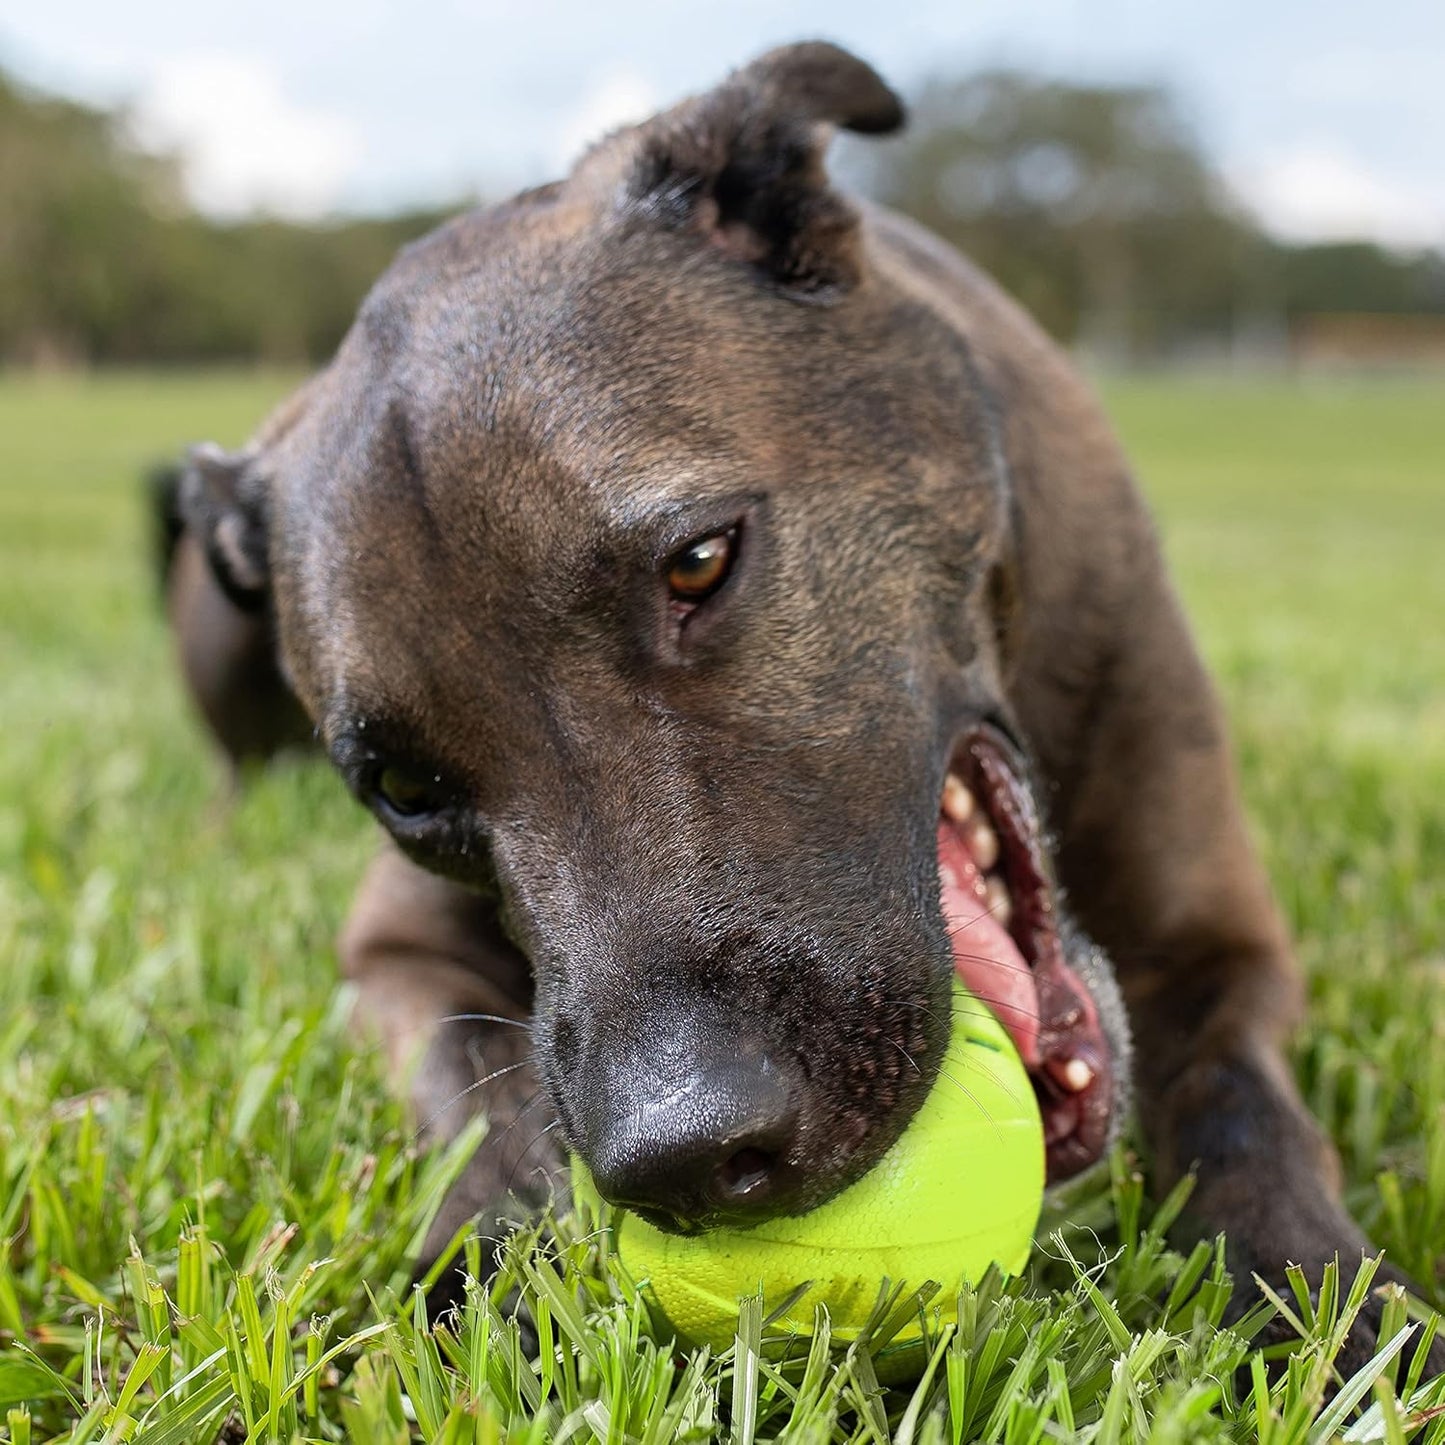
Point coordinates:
pixel 1327 115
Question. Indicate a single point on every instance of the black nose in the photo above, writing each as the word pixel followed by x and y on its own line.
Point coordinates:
pixel 710 1147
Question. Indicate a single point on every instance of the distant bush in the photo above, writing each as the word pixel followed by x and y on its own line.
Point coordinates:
pixel 1094 205
pixel 1099 209
pixel 101 260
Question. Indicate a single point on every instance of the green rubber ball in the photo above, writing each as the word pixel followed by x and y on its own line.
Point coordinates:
pixel 960 1190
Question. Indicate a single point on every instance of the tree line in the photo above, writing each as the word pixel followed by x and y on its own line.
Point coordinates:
pixel 1094 205
pixel 1099 209
pixel 102 260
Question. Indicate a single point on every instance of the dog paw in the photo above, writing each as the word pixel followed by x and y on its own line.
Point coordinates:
pixel 1366 1335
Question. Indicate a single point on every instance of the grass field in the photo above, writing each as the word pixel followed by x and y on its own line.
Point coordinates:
pixel 207 1200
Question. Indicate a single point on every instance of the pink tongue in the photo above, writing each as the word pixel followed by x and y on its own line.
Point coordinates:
pixel 987 959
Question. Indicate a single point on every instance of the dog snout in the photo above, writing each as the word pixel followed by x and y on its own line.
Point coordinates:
pixel 708 1147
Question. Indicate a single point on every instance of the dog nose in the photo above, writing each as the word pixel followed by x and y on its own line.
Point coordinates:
pixel 713 1148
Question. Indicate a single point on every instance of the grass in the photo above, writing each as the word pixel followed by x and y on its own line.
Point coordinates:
pixel 208 1201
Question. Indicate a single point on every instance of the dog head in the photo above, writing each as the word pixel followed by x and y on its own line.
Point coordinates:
pixel 644 556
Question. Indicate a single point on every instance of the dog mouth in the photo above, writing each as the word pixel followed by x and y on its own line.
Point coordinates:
pixel 1000 907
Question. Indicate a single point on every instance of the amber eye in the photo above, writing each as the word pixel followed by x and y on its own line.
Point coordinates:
pixel 407 792
pixel 702 567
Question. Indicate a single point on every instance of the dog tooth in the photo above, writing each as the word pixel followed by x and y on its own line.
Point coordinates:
pixel 983 843
pixel 1000 901
pixel 1076 1075
pixel 957 799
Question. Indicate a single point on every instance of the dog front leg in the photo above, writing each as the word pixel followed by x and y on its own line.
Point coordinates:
pixel 449 997
pixel 1156 855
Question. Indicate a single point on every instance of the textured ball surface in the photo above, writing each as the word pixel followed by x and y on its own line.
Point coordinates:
pixel 960 1190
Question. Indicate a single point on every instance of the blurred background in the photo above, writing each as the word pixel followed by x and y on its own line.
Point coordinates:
pixel 1243 185
pixel 1235 212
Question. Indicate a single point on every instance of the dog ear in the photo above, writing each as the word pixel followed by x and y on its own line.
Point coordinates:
pixel 223 505
pixel 743 164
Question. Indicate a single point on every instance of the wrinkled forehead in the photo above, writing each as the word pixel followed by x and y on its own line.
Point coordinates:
pixel 504 501
pixel 519 422
pixel 515 421
pixel 602 384
pixel 576 462
pixel 587 365
pixel 544 497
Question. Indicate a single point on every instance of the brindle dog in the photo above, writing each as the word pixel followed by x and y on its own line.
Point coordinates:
pixel 709 583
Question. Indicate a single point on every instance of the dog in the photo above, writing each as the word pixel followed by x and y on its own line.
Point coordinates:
pixel 741 620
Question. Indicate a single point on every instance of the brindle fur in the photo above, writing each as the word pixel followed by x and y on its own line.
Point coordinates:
pixel 455 532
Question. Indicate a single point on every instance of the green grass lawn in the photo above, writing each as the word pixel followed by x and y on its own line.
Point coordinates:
pixel 207 1200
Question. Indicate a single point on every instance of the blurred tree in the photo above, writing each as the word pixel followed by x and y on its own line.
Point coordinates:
pixel 74 206
pixel 1358 276
pixel 1095 206
pixel 101 260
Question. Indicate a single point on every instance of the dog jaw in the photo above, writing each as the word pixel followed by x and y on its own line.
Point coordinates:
pixel 999 903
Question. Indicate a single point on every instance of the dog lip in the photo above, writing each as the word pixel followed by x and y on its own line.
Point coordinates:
pixel 1060 1037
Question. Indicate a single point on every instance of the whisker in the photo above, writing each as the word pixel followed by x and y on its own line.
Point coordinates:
pixel 1020 967
pixel 963 1009
pixel 958 1083
pixel 485 1019
pixel 531 1144
pixel 973 1061
pixel 906 1055
pixel 972 1098
pixel 961 924
pixel 972 1057
pixel 462 1094
pixel 994 1004
pixel 538 1096
pixel 532 1100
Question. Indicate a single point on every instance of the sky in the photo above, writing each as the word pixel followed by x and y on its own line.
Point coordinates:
pixel 1327 118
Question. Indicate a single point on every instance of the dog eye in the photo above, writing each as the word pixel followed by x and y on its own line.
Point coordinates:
pixel 696 572
pixel 407 792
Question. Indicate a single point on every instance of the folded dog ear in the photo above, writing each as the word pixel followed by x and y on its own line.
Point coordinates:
pixel 743 164
pixel 222 502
